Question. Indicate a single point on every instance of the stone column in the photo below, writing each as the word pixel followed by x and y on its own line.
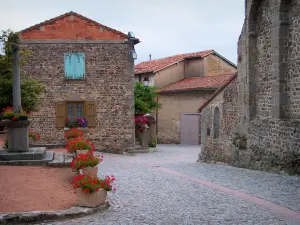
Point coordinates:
pixel 279 31
pixel 17 131
pixel 16 77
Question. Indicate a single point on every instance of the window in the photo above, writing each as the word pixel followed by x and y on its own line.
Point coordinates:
pixel 74 66
pixel 146 81
pixel 75 110
pixel 216 123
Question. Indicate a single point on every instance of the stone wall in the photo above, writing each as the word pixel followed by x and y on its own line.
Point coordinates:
pixel 219 148
pixel 109 83
pixel 214 65
pixel 268 76
pixel 172 105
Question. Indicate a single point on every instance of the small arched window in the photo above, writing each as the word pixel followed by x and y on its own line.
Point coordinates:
pixel 216 122
pixel 146 81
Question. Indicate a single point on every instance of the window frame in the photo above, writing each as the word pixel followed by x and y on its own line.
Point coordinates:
pixel 74 107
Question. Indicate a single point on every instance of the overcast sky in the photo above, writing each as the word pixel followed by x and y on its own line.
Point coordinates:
pixel 165 27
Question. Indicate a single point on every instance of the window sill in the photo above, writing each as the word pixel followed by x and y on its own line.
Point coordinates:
pixel 74 81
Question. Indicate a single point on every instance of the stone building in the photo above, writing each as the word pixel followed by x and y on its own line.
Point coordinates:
pixel 268 125
pixel 184 81
pixel 88 71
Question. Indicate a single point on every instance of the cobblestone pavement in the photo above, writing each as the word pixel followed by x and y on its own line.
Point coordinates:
pixel 169 187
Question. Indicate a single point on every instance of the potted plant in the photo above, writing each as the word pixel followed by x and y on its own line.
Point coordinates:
pixel 79 145
pixel 79 123
pixel 9 114
pixel 73 133
pixel 87 163
pixel 92 191
pixel 33 136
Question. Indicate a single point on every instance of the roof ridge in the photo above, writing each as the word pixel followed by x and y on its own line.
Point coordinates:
pixel 209 50
pixel 69 14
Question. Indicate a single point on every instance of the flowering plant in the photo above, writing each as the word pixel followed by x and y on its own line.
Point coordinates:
pixel 8 113
pixel 82 122
pixel 90 184
pixel 85 160
pixel 34 135
pixel 73 133
pixel 79 144
pixel 108 183
pixel 79 122
pixel 142 122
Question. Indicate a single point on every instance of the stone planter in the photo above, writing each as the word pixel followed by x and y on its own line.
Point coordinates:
pixel 17 135
pixel 94 199
pixel 31 141
pixel 92 171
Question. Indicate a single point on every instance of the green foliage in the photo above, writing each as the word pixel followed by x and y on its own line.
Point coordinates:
pixel 145 98
pixel 31 89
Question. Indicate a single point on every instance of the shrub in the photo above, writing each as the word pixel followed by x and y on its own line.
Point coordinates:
pixel 34 135
pixel 79 144
pixel 85 160
pixel 90 184
pixel 73 133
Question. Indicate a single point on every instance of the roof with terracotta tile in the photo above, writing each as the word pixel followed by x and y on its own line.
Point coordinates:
pixel 159 64
pixel 74 14
pixel 198 83
pixel 217 92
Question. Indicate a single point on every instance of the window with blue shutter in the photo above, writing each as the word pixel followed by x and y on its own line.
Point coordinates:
pixel 74 66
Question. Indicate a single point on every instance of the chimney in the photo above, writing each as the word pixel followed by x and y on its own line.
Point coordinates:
pixel 150 57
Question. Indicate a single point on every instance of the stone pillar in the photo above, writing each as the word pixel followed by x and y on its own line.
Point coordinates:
pixel 16 77
pixel 279 31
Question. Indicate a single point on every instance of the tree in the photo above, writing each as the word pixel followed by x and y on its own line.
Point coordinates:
pixel 31 90
pixel 145 98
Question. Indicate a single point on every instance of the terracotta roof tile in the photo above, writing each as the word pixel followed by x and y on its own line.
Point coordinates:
pixel 158 64
pixel 213 82
pixel 217 92
pixel 74 14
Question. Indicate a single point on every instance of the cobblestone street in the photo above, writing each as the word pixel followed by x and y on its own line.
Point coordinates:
pixel 169 187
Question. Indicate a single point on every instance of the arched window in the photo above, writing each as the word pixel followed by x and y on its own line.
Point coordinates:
pixel 146 81
pixel 216 122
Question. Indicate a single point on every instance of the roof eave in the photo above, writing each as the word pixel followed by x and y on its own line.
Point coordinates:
pixel 226 60
pixel 190 89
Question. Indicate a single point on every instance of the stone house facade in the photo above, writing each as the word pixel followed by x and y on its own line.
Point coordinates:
pixel 218 116
pixel 184 81
pixel 268 124
pixel 88 71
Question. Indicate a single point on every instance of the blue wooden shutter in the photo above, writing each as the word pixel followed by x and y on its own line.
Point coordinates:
pixel 68 65
pixel 80 65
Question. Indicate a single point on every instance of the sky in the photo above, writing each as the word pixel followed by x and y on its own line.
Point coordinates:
pixel 165 27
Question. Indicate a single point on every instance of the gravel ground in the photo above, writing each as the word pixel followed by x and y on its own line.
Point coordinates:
pixel 147 195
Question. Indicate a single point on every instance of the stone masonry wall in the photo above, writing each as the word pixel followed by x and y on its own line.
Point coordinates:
pixel 219 149
pixel 172 105
pixel 109 83
pixel 268 75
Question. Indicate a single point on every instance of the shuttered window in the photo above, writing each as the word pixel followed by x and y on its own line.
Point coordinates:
pixel 73 110
pixel 74 66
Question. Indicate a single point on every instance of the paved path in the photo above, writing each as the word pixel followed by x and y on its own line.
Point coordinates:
pixel 169 187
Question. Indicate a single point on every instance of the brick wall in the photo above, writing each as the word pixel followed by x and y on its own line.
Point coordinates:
pixel 219 149
pixel 109 83
pixel 172 105
pixel 72 27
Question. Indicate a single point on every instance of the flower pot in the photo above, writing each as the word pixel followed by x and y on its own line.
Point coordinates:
pixel 23 117
pixel 93 171
pixel 81 151
pixel 93 199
